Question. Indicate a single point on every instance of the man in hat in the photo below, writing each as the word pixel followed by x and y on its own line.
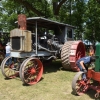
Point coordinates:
pixel 8 52
pixel 81 63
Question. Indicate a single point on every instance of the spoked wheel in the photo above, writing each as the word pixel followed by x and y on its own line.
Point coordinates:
pixel 8 70
pixel 2 56
pixel 31 71
pixel 79 86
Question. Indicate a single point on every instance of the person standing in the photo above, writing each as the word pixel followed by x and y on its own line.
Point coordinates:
pixel 8 52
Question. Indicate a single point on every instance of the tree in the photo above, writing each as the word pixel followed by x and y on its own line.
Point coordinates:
pixel 77 17
pixel 92 29
pixel 11 9
pixel 72 12
pixel 38 7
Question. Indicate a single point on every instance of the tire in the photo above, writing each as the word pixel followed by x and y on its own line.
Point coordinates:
pixel 79 86
pixel 70 53
pixel 31 71
pixel 65 53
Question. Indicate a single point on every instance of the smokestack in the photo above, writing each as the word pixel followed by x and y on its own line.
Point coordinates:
pixel 22 22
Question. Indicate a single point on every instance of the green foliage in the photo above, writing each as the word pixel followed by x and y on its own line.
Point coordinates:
pixel 85 16
pixel 72 12
pixel 10 11
pixel 92 21
pixel 78 17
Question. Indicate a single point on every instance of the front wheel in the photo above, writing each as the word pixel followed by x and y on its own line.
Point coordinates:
pixel 31 71
pixel 7 68
pixel 79 85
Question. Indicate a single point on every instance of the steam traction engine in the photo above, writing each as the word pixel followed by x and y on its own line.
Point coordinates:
pixel 36 40
pixel 80 86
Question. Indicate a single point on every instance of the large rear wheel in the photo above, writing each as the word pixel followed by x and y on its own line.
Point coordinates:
pixel 70 53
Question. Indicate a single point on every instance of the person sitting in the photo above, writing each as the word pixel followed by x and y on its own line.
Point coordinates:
pixel 82 62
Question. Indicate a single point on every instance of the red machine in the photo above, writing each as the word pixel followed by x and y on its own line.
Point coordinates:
pixel 80 86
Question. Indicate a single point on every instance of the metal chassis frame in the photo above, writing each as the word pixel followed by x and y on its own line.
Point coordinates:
pixel 18 54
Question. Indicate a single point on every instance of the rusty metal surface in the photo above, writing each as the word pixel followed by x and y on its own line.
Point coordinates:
pixel 94 75
pixel 22 22
pixel 24 40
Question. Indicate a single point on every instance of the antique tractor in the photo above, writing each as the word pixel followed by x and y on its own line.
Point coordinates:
pixel 80 86
pixel 37 40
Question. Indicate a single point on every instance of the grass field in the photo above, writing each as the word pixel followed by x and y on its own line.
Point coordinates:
pixel 54 85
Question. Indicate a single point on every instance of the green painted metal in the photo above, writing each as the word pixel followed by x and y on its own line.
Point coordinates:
pixel 97 54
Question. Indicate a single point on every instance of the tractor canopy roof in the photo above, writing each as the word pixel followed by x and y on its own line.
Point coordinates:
pixel 40 25
pixel 46 23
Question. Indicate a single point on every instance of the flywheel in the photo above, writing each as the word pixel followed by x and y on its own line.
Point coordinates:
pixel 70 53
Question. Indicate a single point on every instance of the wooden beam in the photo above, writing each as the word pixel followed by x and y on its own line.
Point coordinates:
pixel 30 7
pixel 56 12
